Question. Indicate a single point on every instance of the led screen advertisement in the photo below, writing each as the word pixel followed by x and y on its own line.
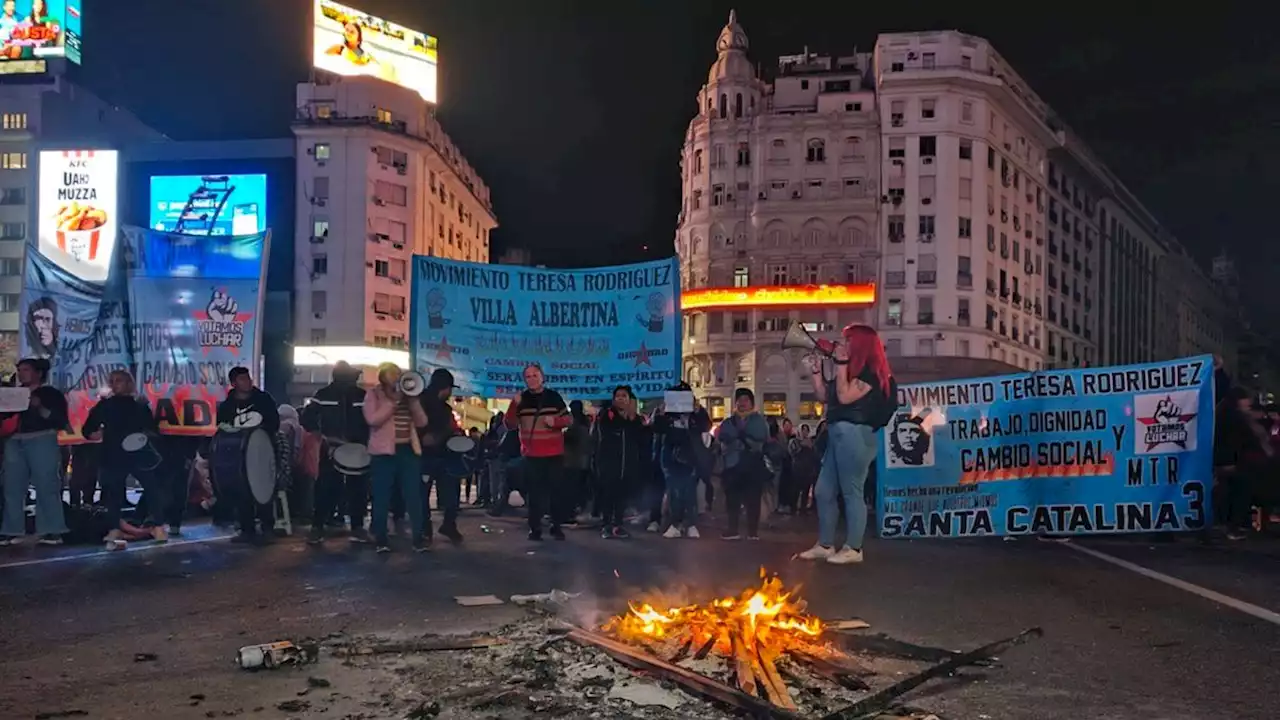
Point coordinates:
pixel 347 41
pixel 34 30
pixel 78 210
pixel 209 204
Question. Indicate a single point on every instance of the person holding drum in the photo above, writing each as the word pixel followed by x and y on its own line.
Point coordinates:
pixel 394 421
pixel 443 451
pixel 336 412
pixel 247 409
pixel 32 458
pixel 126 427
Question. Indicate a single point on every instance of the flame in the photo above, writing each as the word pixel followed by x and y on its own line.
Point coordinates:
pixel 769 618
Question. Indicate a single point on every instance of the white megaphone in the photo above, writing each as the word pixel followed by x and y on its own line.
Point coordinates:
pixel 798 338
pixel 412 383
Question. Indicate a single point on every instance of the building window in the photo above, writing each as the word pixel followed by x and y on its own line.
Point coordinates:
pixel 697 162
pixel 697 199
pixel 928 146
pixel 739 324
pixel 853 147
pixel 811 274
pixel 320 188
pixel 717 195
pixel 744 154
pixel 926 225
pixel 816 151
pixel 966 149
pixel 966 189
pixel 775 404
pixel 966 112
pixel 13 231
pixel 777 274
pixel 897 147
pixel 13 161
pixel 778 150
pixel 966 62
pixel 317 336
pixel 319 302
pixel 895 311
pixel 964 227
pixel 382 115
pixel 321 151
pixel 381 268
pixel 320 265
pixel 10 267
pixel 15 121
pixel 897 228
pixel 741 277
pixel 717 156
pixel 320 228
pixel 389 193
pixel 928 109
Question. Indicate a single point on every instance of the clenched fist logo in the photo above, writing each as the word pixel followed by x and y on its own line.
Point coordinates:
pixel 1167 412
pixel 222 307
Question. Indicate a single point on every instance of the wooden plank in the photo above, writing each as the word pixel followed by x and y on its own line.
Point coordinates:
pixel 742 666
pixel 695 683
pixel 773 681
pixel 830 671
pixel 882 699
pixel 435 644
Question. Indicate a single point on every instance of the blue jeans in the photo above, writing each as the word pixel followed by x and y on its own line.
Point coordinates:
pixel 398 470
pixel 32 460
pixel 682 496
pixel 850 451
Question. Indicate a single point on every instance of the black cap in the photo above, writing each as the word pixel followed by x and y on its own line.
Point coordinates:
pixel 441 379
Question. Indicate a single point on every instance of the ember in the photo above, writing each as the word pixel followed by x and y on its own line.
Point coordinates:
pixel 752 630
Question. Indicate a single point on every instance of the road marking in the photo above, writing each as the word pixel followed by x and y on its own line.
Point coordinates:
pixel 99 553
pixel 1211 595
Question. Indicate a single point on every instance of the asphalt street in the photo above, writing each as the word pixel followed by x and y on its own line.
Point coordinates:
pixel 1117 644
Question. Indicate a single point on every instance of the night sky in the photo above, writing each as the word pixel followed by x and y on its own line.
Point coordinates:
pixel 574 111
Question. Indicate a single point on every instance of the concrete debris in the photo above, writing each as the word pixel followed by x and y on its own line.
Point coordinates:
pixel 555 597
pixel 646 693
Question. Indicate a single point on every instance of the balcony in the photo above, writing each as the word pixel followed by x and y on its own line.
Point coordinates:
pixel 926 277
pixel 895 279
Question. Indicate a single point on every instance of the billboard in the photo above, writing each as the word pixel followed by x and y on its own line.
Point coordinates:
pixel 347 41
pixel 209 204
pixel 35 30
pixel 79 209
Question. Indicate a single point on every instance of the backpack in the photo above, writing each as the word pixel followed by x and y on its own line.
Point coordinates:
pixel 880 412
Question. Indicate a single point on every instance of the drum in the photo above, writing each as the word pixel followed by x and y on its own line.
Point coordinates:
pixel 454 462
pixel 142 451
pixel 350 459
pixel 460 444
pixel 244 461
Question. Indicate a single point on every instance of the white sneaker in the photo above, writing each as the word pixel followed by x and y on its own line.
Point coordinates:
pixel 671 533
pixel 692 532
pixel 817 552
pixel 653 527
pixel 846 556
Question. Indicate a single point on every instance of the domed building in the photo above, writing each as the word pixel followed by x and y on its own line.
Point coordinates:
pixel 780 186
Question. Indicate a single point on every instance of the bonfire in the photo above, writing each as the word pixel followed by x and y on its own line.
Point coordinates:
pixel 752 631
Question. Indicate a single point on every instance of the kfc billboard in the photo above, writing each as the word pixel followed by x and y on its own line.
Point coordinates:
pixel 79 207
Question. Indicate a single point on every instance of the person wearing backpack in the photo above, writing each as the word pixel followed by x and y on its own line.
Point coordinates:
pixel 861 396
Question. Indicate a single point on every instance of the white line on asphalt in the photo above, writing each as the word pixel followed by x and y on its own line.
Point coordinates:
pixel 1213 596
pixel 140 548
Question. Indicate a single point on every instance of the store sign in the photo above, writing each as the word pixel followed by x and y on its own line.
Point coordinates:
pixel 797 296
pixel 78 206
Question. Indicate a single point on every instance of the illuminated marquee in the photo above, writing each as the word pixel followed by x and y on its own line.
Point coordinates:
pixel 791 296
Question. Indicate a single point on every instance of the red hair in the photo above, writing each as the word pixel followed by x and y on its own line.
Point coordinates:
pixel 866 352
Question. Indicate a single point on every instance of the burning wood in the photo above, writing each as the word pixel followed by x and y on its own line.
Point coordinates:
pixel 751 631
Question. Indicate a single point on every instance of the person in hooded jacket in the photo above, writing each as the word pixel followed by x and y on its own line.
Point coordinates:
pixel 618 442
pixel 336 413
pixel 441 466
pixel 680 452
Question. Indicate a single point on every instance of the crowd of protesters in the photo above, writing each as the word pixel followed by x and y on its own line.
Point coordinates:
pixel 618 466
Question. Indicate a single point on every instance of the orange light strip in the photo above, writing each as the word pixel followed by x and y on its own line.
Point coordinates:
pixel 793 296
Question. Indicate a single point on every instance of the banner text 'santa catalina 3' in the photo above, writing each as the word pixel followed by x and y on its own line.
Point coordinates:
pixel 1070 452
pixel 590 330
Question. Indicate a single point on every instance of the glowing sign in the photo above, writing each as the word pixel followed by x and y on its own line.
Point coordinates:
pixel 791 296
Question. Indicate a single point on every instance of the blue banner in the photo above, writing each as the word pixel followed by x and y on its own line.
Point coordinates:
pixel 590 330
pixel 1125 449
pixel 176 327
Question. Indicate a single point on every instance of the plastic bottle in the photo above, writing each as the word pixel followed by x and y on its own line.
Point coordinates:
pixel 272 655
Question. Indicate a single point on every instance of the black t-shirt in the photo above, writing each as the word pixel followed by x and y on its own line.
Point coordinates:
pixel 860 410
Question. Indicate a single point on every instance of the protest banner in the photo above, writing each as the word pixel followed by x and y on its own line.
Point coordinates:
pixel 590 330
pixel 1122 449
pixel 161 314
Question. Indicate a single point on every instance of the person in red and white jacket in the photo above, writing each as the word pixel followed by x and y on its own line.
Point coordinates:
pixel 540 416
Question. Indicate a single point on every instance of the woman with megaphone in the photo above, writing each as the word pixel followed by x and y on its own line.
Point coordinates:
pixel 394 448
pixel 860 394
